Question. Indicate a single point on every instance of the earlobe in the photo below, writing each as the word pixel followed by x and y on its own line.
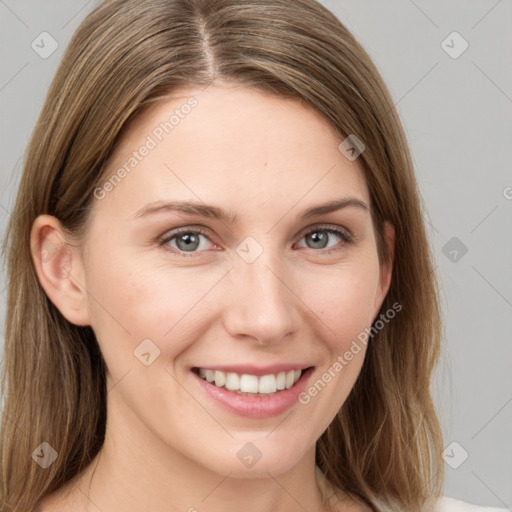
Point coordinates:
pixel 59 268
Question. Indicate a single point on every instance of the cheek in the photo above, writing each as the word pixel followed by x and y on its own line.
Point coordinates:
pixel 130 302
pixel 344 299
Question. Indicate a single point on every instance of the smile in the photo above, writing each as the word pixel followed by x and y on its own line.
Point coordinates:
pixel 251 384
pixel 253 392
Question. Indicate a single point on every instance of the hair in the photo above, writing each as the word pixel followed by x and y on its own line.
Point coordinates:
pixel 384 446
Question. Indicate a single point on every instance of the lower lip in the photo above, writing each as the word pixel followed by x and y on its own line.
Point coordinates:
pixel 253 406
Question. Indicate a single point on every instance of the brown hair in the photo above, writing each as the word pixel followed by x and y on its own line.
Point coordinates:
pixel 385 443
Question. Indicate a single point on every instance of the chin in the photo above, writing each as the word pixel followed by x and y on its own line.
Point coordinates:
pixel 253 456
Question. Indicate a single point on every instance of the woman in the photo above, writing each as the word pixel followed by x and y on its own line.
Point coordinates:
pixel 216 255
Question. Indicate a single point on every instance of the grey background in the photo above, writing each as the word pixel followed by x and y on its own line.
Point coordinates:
pixel 457 116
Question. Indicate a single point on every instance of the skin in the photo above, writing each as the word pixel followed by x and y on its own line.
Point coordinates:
pixel 169 446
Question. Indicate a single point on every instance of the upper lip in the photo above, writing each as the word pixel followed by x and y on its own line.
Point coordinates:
pixel 251 369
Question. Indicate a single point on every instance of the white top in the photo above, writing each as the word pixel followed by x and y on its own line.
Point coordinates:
pixel 446 504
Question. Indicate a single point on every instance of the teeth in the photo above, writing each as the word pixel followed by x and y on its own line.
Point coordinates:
pixel 232 381
pixel 220 379
pixel 248 383
pixel 289 379
pixel 281 380
pixel 266 384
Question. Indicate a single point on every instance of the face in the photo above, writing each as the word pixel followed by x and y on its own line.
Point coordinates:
pixel 253 293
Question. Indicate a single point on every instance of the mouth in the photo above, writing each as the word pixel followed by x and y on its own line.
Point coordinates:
pixel 251 385
pixel 251 392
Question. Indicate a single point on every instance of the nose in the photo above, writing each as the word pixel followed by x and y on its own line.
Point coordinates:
pixel 260 302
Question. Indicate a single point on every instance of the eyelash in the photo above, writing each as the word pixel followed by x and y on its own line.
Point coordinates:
pixel 345 236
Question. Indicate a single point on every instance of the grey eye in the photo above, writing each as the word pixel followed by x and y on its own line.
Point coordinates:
pixel 318 238
pixel 188 241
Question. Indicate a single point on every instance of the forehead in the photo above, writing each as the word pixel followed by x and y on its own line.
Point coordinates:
pixel 231 144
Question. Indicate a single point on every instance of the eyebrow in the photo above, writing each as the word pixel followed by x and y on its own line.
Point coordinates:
pixel 205 210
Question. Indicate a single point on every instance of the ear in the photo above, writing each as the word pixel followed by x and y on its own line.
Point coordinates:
pixel 60 270
pixel 386 267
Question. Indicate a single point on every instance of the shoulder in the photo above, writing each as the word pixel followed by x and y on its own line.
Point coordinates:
pixel 446 504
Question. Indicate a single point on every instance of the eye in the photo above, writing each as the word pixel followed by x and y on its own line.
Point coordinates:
pixel 185 239
pixel 318 238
